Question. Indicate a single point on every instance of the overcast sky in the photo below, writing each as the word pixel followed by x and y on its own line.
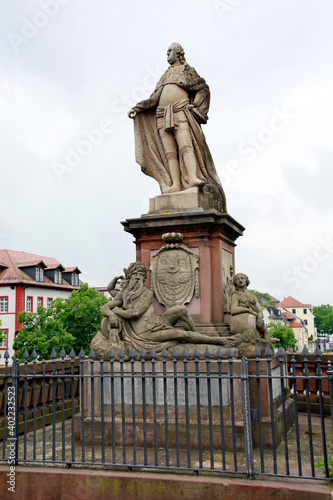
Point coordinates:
pixel 70 67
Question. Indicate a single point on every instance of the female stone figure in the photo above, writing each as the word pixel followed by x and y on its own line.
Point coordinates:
pixel 246 314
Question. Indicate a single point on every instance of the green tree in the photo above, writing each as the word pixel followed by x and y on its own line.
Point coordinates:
pixel 43 331
pixel 263 296
pixel 70 323
pixel 2 334
pixel 80 315
pixel 284 333
pixel 323 317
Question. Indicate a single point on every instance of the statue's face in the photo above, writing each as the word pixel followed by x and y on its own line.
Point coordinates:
pixel 137 276
pixel 123 284
pixel 240 280
pixel 172 54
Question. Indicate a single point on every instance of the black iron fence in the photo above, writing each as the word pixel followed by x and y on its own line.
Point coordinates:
pixel 205 414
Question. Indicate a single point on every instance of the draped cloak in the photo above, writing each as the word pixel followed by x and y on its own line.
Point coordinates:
pixel 149 151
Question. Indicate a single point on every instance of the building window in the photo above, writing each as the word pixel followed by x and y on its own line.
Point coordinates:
pixel 305 321
pixel 39 274
pixel 58 277
pixel 305 311
pixel 4 343
pixel 40 301
pixel 49 302
pixel 29 304
pixel 74 279
pixel 3 304
pixel 293 311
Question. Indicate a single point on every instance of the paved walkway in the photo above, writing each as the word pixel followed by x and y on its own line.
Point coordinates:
pixel 194 459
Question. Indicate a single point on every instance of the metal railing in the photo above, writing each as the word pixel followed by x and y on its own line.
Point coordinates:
pixel 206 414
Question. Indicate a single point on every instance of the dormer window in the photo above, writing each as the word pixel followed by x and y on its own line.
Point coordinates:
pixel 58 277
pixel 39 276
pixel 74 279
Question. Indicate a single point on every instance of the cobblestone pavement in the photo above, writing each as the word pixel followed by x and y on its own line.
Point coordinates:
pixel 63 451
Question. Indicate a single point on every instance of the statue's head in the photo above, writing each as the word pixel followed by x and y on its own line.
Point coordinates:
pixel 175 52
pixel 123 284
pixel 137 269
pixel 136 274
pixel 240 280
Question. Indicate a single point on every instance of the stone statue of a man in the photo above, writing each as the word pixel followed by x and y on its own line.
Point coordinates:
pixel 130 320
pixel 170 145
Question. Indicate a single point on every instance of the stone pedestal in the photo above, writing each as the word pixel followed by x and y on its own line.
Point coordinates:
pixel 208 233
pixel 226 399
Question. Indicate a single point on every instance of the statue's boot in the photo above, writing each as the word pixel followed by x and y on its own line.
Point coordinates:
pixel 191 167
pixel 175 176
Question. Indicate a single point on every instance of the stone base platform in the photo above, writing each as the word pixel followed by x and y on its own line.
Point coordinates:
pixel 190 200
pixel 155 409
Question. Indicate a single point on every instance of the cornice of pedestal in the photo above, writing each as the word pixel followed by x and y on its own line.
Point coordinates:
pixel 193 219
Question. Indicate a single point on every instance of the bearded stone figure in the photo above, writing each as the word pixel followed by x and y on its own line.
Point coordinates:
pixel 130 320
pixel 169 143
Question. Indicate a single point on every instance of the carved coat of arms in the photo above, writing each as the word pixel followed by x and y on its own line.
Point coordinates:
pixel 174 272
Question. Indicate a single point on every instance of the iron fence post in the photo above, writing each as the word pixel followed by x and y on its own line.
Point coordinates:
pixel 247 418
pixel 16 386
pixel 330 385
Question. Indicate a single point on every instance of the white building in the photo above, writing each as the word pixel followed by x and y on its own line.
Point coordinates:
pixel 27 281
pixel 301 320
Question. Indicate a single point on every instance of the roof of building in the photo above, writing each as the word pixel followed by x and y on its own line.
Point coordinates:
pixel 291 302
pixel 287 315
pixel 274 316
pixel 295 324
pixel 266 298
pixel 71 270
pixel 14 263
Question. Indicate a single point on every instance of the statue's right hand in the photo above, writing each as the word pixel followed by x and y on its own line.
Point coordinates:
pixel 132 113
pixel 121 277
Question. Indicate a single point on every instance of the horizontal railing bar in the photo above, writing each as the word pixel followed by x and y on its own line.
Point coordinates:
pixel 279 474
pixel 171 376
pixel 172 467
pixel 136 466
pixel 130 376
pixel 164 467
pixel 289 376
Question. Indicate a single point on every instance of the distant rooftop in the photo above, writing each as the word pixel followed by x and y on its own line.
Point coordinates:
pixel 12 264
pixel 291 302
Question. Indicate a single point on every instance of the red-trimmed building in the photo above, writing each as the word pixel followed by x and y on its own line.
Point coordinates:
pixel 301 319
pixel 27 281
